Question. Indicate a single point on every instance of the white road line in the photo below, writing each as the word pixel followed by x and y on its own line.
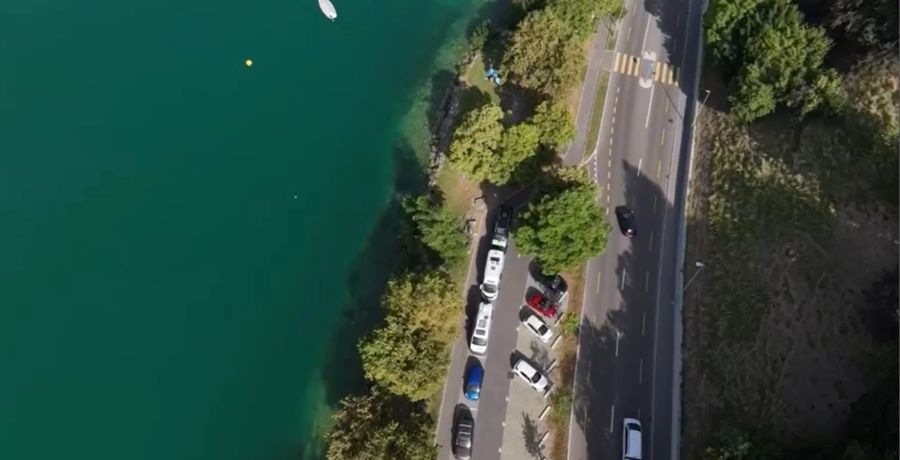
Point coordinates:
pixel 612 416
pixel 640 163
pixel 643 324
pixel 624 275
pixel 650 246
pixel 649 105
pixel 618 336
pixel 617 89
pixel 646 29
pixel 647 282
pixel 641 372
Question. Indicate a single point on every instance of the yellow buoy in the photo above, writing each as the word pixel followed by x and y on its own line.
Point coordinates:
pixel 248 62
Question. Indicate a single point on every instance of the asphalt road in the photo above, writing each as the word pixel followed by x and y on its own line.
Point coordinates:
pixel 629 346
pixel 489 411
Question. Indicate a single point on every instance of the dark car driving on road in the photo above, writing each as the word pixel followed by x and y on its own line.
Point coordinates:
pixel 625 216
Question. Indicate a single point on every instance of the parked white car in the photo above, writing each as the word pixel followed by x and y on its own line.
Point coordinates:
pixel 538 328
pixel 482 331
pixel 493 268
pixel 532 376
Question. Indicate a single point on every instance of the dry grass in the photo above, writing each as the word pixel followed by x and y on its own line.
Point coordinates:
pixel 772 338
pixel 564 373
pixel 458 191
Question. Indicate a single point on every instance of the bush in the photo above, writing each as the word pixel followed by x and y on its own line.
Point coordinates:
pixel 544 55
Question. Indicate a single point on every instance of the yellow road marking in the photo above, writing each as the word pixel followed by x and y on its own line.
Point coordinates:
pixel 658 168
pixel 662 137
pixel 630 64
pixel 597 291
pixel 637 66
pixel 617 66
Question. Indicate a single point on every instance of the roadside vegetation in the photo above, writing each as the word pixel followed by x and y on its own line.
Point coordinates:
pixel 791 330
pixel 508 134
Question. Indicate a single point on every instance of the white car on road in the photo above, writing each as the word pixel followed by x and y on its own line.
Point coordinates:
pixel 648 65
pixel 631 439
pixel 479 342
pixel 538 327
pixel 531 375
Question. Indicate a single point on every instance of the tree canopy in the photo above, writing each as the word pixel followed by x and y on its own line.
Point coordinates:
pixel 580 15
pixel 475 141
pixel 408 355
pixel 516 145
pixel 380 426
pixel 772 56
pixel 544 54
pixel 439 228
pixel 563 228
pixel 554 124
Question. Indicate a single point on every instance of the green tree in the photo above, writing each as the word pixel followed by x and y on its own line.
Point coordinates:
pixel 475 141
pixel 408 355
pixel 569 323
pixel 439 228
pixel 554 123
pixel 516 145
pixel 380 426
pixel 871 23
pixel 580 15
pixel 563 228
pixel 428 301
pixel 544 54
pixel 774 55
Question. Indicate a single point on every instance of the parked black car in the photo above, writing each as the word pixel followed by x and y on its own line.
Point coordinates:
pixel 464 429
pixel 555 286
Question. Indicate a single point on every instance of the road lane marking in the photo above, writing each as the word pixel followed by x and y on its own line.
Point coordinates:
pixel 599 274
pixel 614 109
pixel 609 174
pixel 610 152
pixel 613 119
pixel 649 106
pixel 612 416
pixel 607 187
pixel 617 89
pixel 616 66
pixel 640 163
pixel 647 282
pixel 628 38
pixel 658 167
pixel 646 29
pixel 650 246
pixel 641 372
pixel 662 137
pixel 612 129
pixel 624 275
pixel 618 336
pixel 667 105
pixel 609 164
pixel 610 142
pixel 654 201
pixel 643 324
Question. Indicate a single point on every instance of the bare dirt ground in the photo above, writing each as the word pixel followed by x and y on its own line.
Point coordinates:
pixel 773 330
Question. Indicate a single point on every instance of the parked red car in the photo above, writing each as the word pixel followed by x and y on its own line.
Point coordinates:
pixel 541 304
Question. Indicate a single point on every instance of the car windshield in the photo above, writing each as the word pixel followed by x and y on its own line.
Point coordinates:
pixel 490 288
pixel 542 329
pixel 478 341
pixel 534 378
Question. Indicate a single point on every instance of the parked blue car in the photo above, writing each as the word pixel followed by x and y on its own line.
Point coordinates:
pixel 473 382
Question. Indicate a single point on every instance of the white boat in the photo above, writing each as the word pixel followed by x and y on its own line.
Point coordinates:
pixel 328 9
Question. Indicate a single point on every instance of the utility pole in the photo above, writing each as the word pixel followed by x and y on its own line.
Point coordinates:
pixel 699 266
pixel 700 108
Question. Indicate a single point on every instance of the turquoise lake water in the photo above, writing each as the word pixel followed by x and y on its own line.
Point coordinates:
pixel 187 244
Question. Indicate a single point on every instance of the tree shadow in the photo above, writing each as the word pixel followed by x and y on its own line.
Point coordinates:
pixel 625 338
pixel 531 435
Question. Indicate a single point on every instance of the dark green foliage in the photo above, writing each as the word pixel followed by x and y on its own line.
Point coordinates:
pixel 563 228
pixel 544 55
pixel 438 228
pixel 554 124
pixel 733 444
pixel 517 144
pixel 475 141
pixel 871 23
pixel 380 426
pixel 771 57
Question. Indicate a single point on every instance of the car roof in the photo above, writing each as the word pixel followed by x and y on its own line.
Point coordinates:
pixel 475 373
pixel 534 320
pixel 525 366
